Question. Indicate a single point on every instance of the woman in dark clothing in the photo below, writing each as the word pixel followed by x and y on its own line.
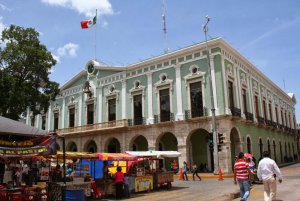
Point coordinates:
pixel 119 180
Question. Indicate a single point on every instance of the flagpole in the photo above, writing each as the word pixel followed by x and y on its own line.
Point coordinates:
pixel 95 45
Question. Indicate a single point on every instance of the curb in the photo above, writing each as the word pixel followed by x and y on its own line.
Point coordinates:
pixel 207 176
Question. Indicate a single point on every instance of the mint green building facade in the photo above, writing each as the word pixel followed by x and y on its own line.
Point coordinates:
pixel 163 103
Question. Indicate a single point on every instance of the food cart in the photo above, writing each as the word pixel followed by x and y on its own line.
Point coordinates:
pixel 73 183
pixel 152 177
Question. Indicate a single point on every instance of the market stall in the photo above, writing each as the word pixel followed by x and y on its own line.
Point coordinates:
pixel 149 175
pixel 22 149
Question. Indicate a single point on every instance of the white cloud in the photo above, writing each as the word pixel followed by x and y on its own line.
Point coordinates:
pixel 3 7
pixel 69 49
pixel 86 8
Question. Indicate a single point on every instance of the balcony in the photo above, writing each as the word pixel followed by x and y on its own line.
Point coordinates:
pixel 236 112
pixel 137 121
pixel 249 116
pixel 261 120
pixel 188 114
pixel 269 123
pixel 94 127
pixel 163 117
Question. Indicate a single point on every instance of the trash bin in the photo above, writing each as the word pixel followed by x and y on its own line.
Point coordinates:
pixel 75 195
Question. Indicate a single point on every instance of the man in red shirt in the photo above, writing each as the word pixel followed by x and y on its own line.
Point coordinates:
pixel 241 175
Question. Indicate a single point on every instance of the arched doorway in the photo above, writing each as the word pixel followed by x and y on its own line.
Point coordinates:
pixel 167 142
pixel 249 150
pixel 71 147
pixel 235 145
pixel 113 146
pixel 199 151
pixel 139 143
pixel 261 147
pixel 91 146
pixel 274 150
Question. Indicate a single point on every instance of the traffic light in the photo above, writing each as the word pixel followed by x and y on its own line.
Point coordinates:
pixel 220 138
pixel 219 147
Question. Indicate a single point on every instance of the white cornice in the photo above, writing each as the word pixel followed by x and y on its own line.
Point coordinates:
pixel 252 67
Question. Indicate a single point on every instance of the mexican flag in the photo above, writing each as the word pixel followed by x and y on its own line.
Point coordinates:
pixel 88 23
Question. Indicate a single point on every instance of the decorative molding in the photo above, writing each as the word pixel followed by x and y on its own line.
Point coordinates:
pixel 229 71
pixel 56 108
pixel 112 94
pixel 243 79
pixel 163 83
pixel 137 89
pixel 198 76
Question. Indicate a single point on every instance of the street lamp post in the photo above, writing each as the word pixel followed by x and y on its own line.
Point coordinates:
pixel 64 169
pixel 213 110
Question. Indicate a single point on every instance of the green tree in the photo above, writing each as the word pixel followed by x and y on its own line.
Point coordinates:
pixel 25 66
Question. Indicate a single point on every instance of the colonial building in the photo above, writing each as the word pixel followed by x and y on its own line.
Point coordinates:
pixel 164 103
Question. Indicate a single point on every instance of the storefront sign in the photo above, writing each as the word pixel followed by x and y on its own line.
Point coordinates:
pixel 45 146
pixel 144 183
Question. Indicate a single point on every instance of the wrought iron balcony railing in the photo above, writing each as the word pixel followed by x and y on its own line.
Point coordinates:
pixel 94 127
pixel 261 120
pixel 236 112
pixel 268 122
pixel 137 121
pixel 163 118
pixel 249 116
pixel 188 114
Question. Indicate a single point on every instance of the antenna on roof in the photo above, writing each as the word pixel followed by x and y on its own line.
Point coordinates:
pixel 166 49
pixel 283 84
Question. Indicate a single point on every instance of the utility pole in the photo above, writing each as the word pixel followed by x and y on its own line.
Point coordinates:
pixel 213 110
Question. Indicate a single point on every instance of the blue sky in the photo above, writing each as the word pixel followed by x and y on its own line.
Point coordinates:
pixel 266 32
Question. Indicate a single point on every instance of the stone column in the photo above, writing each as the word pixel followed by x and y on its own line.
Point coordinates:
pixel 183 157
pixel 227 111
pixel 237 86
pixel 124 116
pixel 100 104
pixel 80 106
pixel 214 88
pixel 49 118
pixel 150 119
pixel 28 116
pixel 63 113
pixel 179 115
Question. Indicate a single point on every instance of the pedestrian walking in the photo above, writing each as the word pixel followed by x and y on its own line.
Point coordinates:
pixel 195 171
pixel 184 171
pixel 267 168
pixel 241 176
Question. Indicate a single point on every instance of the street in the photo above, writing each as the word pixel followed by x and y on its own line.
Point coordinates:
pixel 210 189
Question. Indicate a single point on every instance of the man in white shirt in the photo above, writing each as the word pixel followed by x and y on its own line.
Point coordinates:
pixel 267 168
